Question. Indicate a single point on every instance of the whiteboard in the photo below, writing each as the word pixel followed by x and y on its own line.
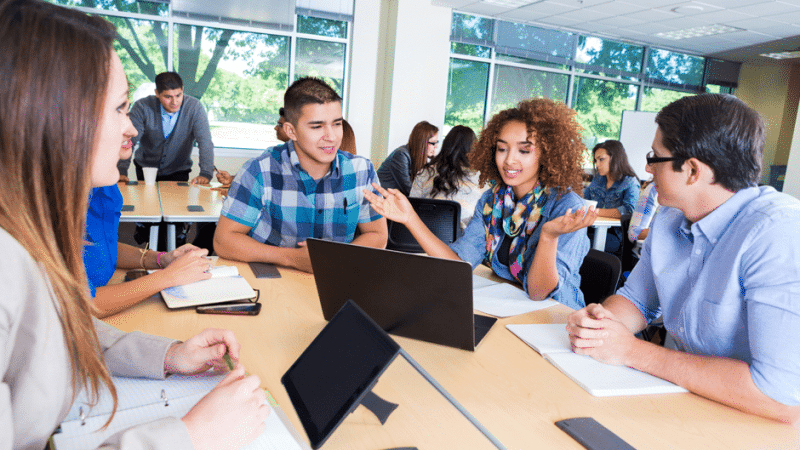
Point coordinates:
pixel 636 134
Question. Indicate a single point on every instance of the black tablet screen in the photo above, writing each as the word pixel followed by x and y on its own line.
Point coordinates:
pixel 339 366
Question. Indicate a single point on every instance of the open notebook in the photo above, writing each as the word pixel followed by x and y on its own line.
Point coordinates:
pixel 143 400
pixel 597 378
pixel 225 285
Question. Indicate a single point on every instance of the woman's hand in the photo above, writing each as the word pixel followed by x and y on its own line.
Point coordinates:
pixel 189 267
pixel 230 416
pixel 202 352
pixel 391 204
pixel 569 222
pixel 169 257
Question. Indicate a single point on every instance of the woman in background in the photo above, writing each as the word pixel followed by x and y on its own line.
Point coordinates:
pixel 401 166
pixel 448 176
pixel 529 226
pixel 614 187
pixel 63 120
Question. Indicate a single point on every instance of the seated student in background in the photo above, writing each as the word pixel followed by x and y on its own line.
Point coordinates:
pixel 402 165
pixel 348 138
pixel 102 254
pixel 448 176
pixel 614 186
pixel 305 188
pixel 529 225
pixel 720 264
pixel 52 346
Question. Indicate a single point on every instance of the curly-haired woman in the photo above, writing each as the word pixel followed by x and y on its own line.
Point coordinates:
pixel 529 226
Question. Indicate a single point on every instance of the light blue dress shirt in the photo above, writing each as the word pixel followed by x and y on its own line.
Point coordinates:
pixel 572 247
pixel 168 121
pixel 729 285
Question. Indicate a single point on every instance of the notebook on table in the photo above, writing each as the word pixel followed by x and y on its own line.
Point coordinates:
pixel 225 285
pixel 599 379
pixel 142 400
pixel 409 295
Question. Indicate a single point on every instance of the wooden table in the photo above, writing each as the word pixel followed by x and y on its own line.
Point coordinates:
pixel 601 226
pixel 506 385
pixel 146 206
pixel 175 199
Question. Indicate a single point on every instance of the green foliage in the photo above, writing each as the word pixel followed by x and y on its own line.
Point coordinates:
pixel 470 50
pixel 675 67
pixel 321 27
pixel 321 59
pixel 599 105
pixel 513 84
pixel 472 28
pixel 654 99
pixel 610 54
pixel 466 94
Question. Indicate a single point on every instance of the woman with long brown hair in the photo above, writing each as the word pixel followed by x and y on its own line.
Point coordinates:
pixel 63 123
pixel 528 226
pixel 401 166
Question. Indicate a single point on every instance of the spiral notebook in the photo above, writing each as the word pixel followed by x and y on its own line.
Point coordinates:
pixel 597 378
pixel 142 400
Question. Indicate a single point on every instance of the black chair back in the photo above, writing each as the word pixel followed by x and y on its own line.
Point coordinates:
pixel 627 260
pixel 442 217
pixel 600 273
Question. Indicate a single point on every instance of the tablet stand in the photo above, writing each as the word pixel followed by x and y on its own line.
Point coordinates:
pixel 380 407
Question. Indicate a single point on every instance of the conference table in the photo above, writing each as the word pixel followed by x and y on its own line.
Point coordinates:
pixel 169 201
pixel 141 203
pixel 601 226
pixel 505 384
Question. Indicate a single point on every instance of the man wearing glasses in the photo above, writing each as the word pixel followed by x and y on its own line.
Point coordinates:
pixel 720 265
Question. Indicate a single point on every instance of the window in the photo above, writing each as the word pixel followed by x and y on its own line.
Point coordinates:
pixel 599 78
pixel 466 94
pixel 514 84
pixel 239 70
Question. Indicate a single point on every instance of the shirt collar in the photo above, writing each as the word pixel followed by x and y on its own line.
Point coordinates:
pixel 164 112
pixel 335 169
pixel 717 221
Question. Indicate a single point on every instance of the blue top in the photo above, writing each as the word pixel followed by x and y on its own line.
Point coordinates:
pixel 102 233
pixel 572 247
pixel 283 205
pixel 645 211
pixel 622 195
pixel 729 285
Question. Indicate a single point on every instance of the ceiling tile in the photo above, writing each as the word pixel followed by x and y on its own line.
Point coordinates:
pixel 650 28
pixel 651 16
pixel 546 8
pixel 725 16
pixel 767 9
pixel 619 7
pixel 684 23
pixel 689 8
pixel 791 18
pixel 487 9
pixel 560 21
pixel 620 21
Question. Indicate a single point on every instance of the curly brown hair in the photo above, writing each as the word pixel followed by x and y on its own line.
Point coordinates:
pixel 556 133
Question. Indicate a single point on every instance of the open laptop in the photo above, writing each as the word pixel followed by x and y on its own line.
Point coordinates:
pixel 407 295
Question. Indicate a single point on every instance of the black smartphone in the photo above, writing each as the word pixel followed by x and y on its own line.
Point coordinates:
pixel 194 208
pixel 183 183
pixel 132 183
pixel 134 274
pixel 127 208
pixel 233 308
pixel 592 435
pixel 264 270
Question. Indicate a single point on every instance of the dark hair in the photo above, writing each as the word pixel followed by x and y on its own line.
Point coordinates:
pixel 305 91
pixel 51 101
pixel 556 133
pixel 618 166
pixel 418 145
pixel 452 161
pixel 282 113
pixel 718 130
pixel 167 81
pixel 348 138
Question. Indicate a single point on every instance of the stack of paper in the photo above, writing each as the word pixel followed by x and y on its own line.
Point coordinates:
pixel 504 300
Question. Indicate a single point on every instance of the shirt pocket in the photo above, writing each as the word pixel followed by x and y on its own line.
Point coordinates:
pixel 721 327
pixel 345 219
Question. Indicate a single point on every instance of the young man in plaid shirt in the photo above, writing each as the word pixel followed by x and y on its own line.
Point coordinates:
pixel 304 188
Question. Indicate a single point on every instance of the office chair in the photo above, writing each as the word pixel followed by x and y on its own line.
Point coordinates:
pixel 442 217
pixel 627 259
pixel 600 273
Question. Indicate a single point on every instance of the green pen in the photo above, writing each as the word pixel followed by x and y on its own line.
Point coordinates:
pixel 228 361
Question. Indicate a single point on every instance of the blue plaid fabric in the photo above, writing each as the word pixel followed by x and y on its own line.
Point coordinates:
pixel 283 205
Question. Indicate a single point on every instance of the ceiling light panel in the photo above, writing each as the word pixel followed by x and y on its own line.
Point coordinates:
pixel 688 33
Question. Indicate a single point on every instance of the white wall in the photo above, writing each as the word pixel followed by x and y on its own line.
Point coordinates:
pixel 363 73
pixel 421 65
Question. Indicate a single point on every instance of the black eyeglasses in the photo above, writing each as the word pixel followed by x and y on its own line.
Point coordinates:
pixel 658 159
